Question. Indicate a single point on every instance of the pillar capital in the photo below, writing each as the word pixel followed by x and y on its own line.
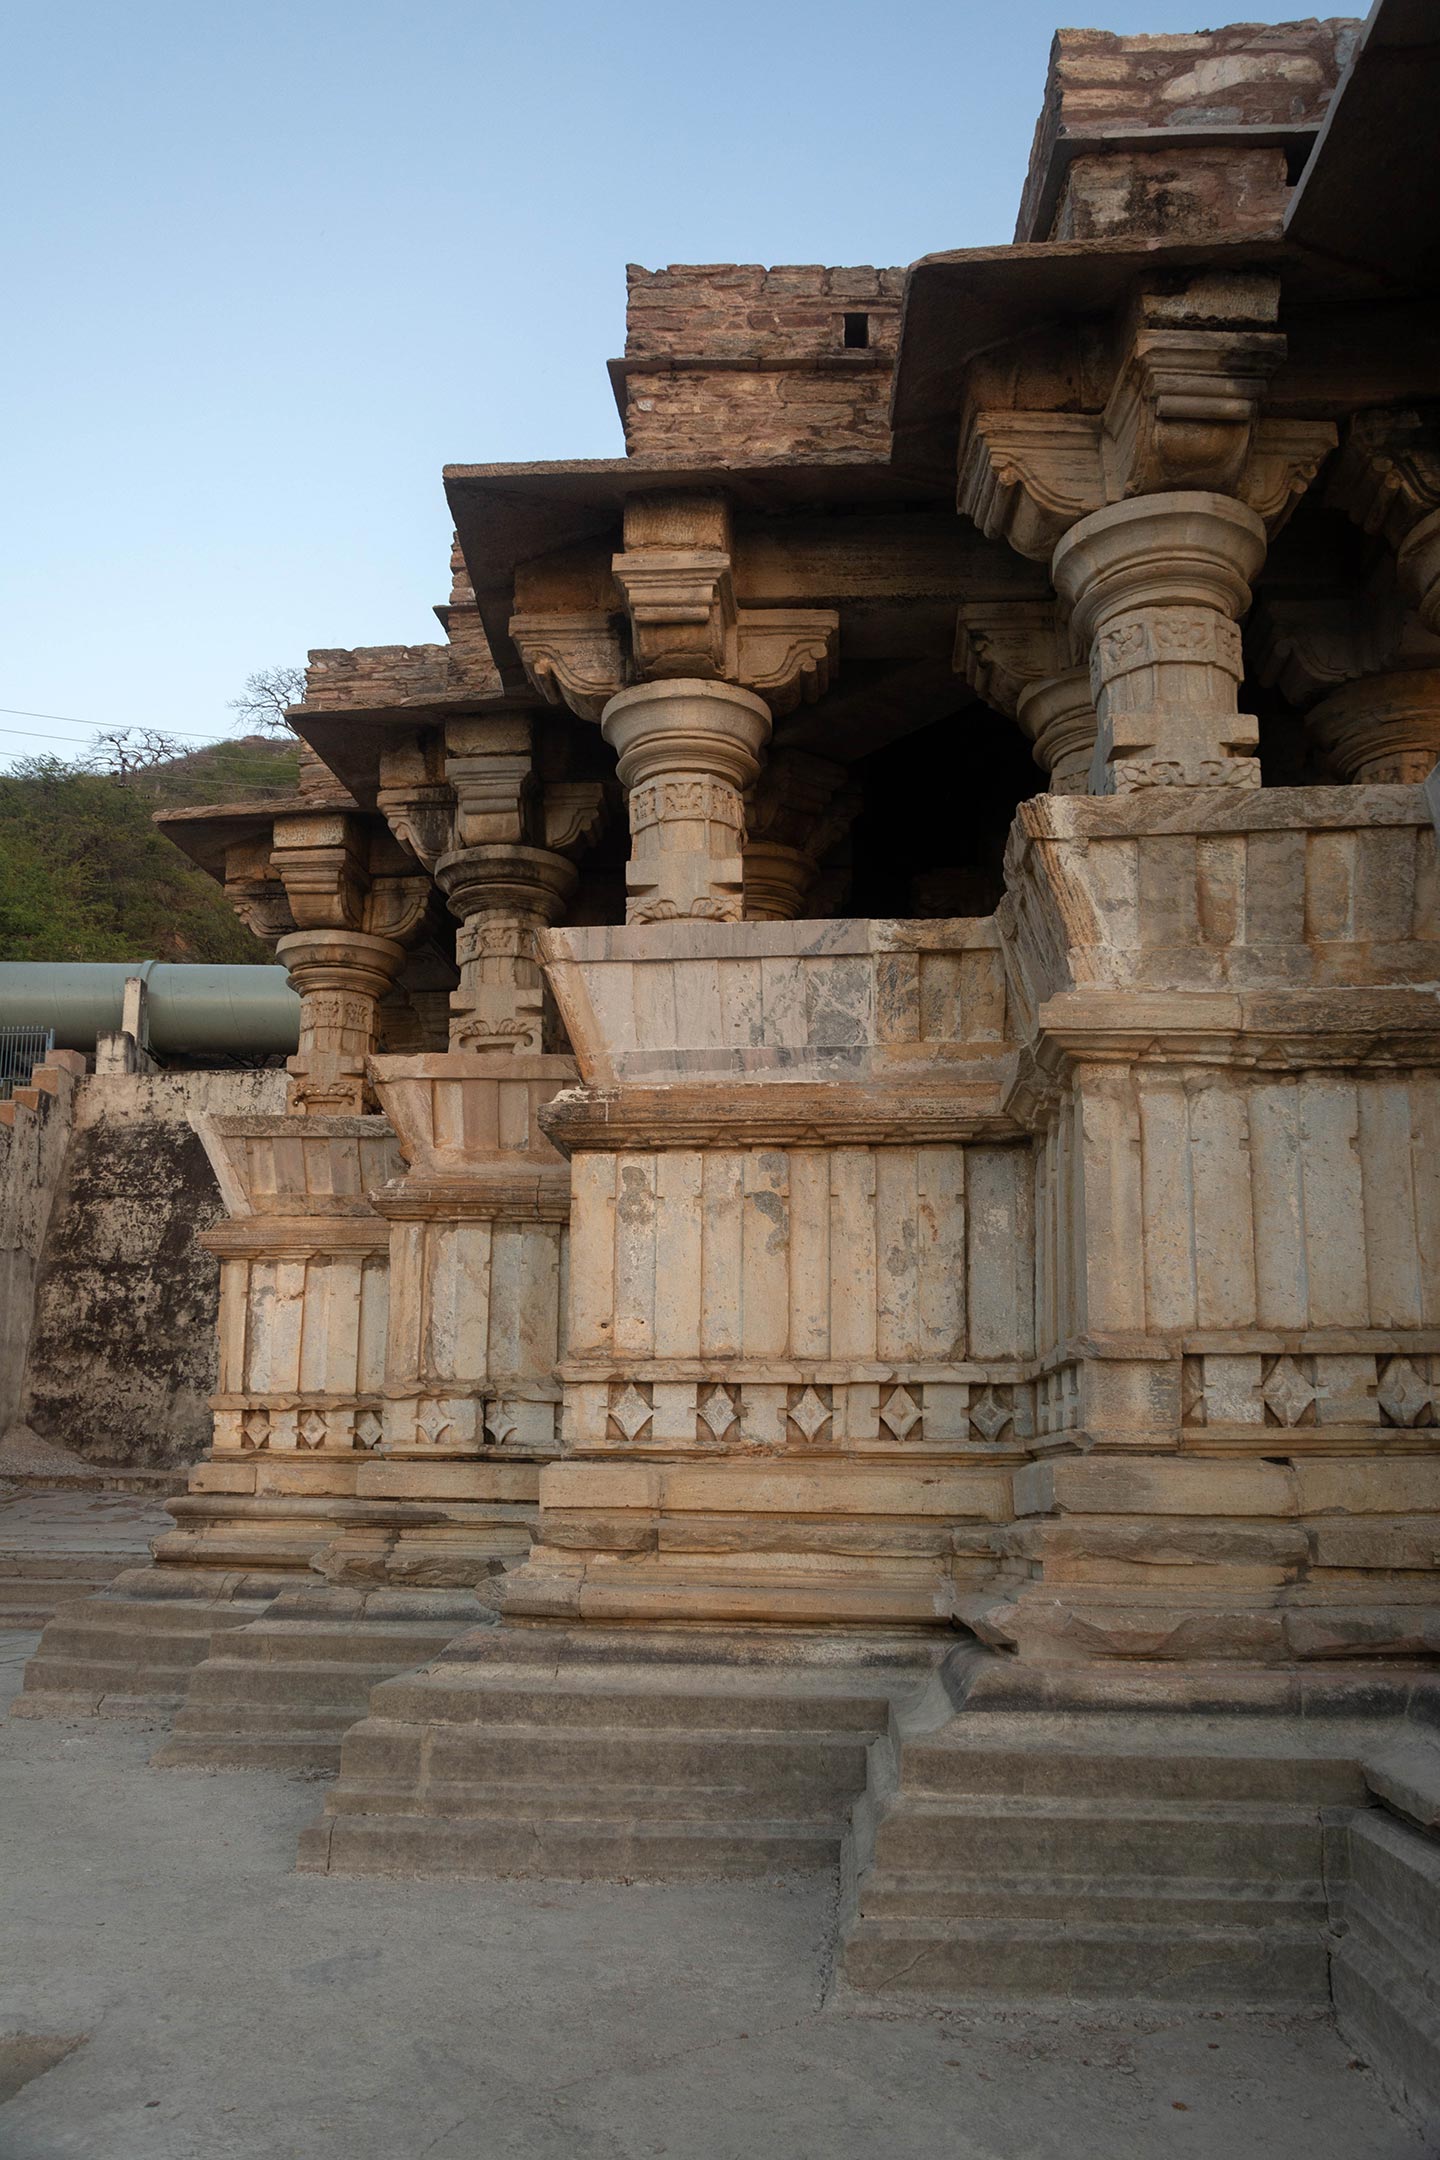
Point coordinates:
pixel 1383 727
pixel 675 618
pixel 686 752
pixel 1387 478
pixel 1184 411
pixel 1057 712
pixel 356 902
pixel 1155 587
pixel 1020 657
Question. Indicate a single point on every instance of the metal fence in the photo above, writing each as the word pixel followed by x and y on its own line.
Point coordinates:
pixel 21 1049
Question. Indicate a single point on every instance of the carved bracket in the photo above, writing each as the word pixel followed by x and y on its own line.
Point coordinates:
pixel 1183 414
pixel 575 812
pixel 1003 646
pixel 1026 478
pixel 574 660
pixel 784 654
pixel 1183 409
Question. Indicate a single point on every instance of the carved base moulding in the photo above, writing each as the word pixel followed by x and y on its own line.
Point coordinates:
pixel 794 1410
pixel 437 1423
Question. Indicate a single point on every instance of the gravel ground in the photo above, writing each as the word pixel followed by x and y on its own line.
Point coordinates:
pixel 222 2007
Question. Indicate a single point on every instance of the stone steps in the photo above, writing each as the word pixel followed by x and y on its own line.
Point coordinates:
pixel 227 1718
pixel 1113 1857
pixel 286 1688
pixel 563 1847
pixel 593 1754
pixel 678 1771
pixel 933 1894
pixel 34 1587
pixel 1057 1761
pixel 512 1697
pixel 1045 1960
pixel 1383 1865
pixel 1089 1839
pixel 118 1655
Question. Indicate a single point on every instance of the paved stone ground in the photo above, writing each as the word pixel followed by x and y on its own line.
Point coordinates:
pixel 233 2010
pixel 42 1523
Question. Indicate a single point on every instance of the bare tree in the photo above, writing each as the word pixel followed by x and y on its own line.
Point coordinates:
pixel 126 752
pixel 267 693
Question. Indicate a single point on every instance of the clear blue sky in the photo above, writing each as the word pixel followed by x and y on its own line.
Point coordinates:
pixel 268 266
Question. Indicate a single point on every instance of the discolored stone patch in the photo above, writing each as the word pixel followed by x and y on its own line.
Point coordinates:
pixel 24 2056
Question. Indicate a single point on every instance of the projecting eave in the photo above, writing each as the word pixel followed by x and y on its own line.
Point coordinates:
pixel 350 740
pixel 508 514
pixel 1366 199
pixel 961 304
pixel 204 831
pixel 1361 232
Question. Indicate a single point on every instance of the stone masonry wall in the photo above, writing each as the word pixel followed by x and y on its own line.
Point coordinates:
pixel 1271 75
pixel 731 363
pixel 123 1348
pixel 336 677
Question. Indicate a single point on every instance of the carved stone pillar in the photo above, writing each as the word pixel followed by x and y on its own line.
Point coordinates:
pixel 1154 513
pixel 800 808
pixel 1384 727
pixel 499 839
pixel 686 751
pixel 1017 655
pixel 1155 587
pixel 501 895
pixel 356 903
pixel 1058 715
pixel 1418 561
pixel 341 976
pixel 685 693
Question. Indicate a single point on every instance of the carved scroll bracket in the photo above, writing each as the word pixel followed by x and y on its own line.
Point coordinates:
pixel 1021 657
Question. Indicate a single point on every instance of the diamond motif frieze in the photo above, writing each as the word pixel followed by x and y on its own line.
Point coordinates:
pixel 311 1430
pixel 809 1411
pixel 1288 1396
pixel 631 1410
pixel 933 1414
pixel 368 1428
pixel 255 1430
pixel 902 1412
pixel 990 1412
pixel 718 1411
pixel 1405 1394
pixel 499 1425
pixel 432 1424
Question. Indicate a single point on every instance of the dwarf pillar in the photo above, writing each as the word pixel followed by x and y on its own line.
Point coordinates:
pixel 501 895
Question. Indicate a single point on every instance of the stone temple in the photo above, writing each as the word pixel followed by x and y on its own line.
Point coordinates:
pixel 852 1268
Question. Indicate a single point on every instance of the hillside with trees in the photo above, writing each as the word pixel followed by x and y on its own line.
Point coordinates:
pixel 85 875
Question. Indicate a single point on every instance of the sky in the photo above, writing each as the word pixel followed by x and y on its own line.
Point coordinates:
pixel 268 265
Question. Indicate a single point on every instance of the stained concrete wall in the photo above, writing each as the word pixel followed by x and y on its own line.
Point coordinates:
pixel 34 1140
pixel 122 1348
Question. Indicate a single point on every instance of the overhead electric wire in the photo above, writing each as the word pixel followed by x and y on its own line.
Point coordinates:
pixel 27 735
pixel 19 712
